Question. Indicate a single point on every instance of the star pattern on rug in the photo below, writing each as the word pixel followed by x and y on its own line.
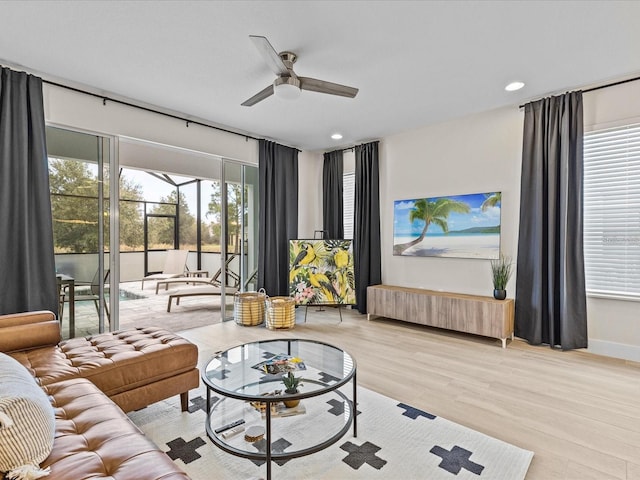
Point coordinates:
pixel 279 446
pixel 185 451
pixel 359 455
pixel 414 413
pixel 337 407
pixel 356 455
pixel 199 403
pixel 455 460
pixel 327 378
pixel 219 374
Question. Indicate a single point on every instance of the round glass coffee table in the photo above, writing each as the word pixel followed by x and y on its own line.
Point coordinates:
pixel 249 418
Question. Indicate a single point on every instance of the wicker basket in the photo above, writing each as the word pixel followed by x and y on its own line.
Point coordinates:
pixel 281 312
pixel 248 308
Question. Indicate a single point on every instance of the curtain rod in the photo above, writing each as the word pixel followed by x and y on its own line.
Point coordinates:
pixel 347 149
pixel 355 146
pixel 151 110
pixel 603 86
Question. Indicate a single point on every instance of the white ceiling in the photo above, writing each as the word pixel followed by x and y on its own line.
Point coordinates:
pixel 414 62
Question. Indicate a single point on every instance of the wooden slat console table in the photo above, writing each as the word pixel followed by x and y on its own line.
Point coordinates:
pixel 454 311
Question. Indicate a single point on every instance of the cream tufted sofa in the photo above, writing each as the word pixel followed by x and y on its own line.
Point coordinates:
pixel 92 382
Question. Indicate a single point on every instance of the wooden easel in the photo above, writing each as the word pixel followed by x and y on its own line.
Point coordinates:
pixel 320 309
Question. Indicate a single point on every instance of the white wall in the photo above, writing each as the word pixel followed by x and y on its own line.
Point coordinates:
pixel 480 153
pixel 476 154
pixel 309 193
pixel 71 109
pixel 310 190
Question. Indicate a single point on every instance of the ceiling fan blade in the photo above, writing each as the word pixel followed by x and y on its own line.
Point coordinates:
pixel 258 97
pixel 269 54
pixel 321 86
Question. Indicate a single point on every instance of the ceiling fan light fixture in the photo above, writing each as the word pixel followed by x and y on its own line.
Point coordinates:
pixel 287 84
pixel 287 88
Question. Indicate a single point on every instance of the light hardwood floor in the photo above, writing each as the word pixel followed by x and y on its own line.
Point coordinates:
pixel 579 413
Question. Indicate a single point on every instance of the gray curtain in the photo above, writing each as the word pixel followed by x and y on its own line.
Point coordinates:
pixel 332 194
pixel 550 287
pixel 27 265
pixel 366 232
pixel 278 184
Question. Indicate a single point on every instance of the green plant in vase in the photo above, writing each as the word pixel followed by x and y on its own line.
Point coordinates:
pixel 501 270
pixel 291 384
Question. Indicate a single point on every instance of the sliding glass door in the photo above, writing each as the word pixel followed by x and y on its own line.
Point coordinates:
pixel 198 202
pixel 80 204
pixel 240 228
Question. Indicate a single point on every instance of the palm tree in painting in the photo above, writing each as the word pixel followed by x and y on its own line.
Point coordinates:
pixel 491 201
pixel 436 212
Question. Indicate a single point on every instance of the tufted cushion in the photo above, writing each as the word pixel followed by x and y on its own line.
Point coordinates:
pixel 26 418
pixel 115 362
pixel 95 439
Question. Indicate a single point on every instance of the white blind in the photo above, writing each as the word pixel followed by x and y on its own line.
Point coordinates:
pixel 612 211
pixel 348 202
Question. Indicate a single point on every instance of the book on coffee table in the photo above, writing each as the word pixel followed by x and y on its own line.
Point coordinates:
pixel 281 364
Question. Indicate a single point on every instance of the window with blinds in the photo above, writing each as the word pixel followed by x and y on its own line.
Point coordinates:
pixel 348 202
pixel 612 212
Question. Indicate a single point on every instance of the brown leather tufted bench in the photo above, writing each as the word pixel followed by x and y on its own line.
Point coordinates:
pixel 133 367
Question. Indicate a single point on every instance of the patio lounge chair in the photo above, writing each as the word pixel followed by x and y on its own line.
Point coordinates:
pixel 197 292
pixel 215 280
pixel 175 265
pixel 209 289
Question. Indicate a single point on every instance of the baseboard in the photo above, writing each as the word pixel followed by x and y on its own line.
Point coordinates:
pixel 613 349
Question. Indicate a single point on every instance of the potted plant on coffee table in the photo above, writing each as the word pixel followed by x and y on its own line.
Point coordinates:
pixel 501 272
pixel 291 384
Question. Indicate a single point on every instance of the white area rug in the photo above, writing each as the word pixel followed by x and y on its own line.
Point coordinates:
pixel 395 441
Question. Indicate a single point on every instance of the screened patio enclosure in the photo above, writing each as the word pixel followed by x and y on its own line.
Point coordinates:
pixel 168 198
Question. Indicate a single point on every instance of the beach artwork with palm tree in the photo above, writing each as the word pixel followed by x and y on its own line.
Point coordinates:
pixel 321 272
pixel 466 226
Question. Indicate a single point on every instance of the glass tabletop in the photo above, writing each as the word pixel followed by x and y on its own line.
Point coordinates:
pixel 255 370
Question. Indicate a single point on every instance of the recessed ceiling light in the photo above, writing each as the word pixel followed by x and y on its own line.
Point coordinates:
pixel 513 86
pixel 337 136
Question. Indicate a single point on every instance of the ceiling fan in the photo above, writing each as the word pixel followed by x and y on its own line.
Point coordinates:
pixel 288 84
